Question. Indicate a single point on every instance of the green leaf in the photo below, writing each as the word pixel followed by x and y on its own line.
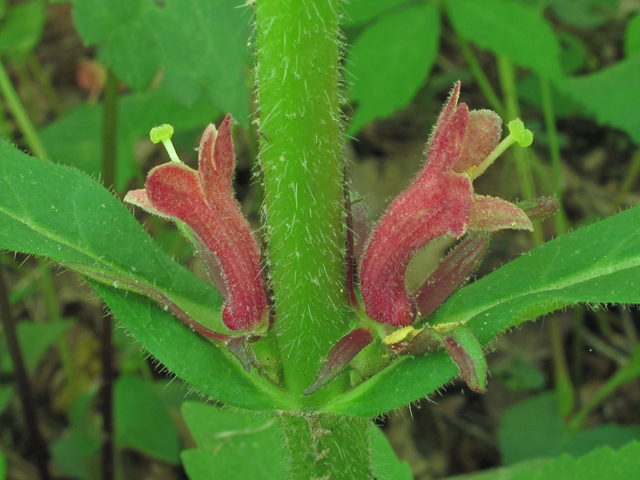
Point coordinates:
pixel 600 464
pixel 632 37
pixel 232 445
pixel 596 264
pixel 3 466
pixel 386 463
pixel 60 213
pixel 190 356
pixel 361 11
pixel 564 105
pixel 390 61
pixel 612 95
pixel 548 435
pixel 597 465
pixel 585 13
pixel 142 421
pixel 22 28
pixel 199 45
pixel 76 452
pixel 6 393
pixel 76 137
pixel 34 339
pixel 511 29
pixel 519 375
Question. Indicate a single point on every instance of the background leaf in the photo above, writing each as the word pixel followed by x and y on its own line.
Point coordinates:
pixel 632 37
pixel 76 452
pixel 596 264
pixel 34 340
pixel 386 464
pixel 232 445
pixel 76 137
pixel 138 39
pixel 21 29
pixel 611 95
pixel 390 61
pixel 237 446
pixel 597 465
pixel 142 421
pixel 6 393
pixel 509 28
pixel 360 11
pixel 534 428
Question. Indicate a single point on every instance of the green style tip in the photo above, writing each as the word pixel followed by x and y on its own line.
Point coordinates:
pixel 161 133
pixel 520 134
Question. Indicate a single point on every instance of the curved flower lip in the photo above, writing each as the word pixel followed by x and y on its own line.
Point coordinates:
pixel 204 200
pixel 440 201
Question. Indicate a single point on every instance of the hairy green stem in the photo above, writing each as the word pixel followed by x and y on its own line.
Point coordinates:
pixel 20 115
pixel 298 79
pixel 300 142
pixel 312 441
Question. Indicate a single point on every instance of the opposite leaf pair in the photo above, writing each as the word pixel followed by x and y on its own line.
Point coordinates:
pixel 441 201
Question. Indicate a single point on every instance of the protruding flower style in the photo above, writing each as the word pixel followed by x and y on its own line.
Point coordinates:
pixel 204 201
pixel 440 201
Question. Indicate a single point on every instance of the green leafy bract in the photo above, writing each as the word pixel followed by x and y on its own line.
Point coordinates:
pixel 596 264
pixel 390 61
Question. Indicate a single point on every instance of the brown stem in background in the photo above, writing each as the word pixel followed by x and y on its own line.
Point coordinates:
pixel 109 142
pixel 37 444
pixel 106 395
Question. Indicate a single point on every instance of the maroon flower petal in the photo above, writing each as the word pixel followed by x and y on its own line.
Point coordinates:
pixel 340 356
pixel 175 190
pixel 484 130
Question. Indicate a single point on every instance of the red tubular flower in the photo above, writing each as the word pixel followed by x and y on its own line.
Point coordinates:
pixel 440 201
pixel 204 200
